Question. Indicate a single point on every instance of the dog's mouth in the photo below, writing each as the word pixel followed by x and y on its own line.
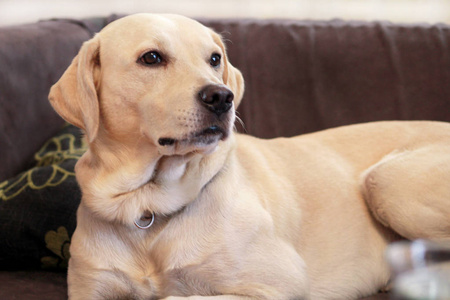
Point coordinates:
pixel 211 134
pixel 204 141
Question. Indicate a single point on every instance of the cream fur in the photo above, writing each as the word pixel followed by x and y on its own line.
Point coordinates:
pixel 236 217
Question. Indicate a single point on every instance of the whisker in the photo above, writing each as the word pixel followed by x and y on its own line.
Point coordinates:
pixel 240 122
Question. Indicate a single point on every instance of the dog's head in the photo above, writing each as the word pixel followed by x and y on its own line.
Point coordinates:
pixel 164 78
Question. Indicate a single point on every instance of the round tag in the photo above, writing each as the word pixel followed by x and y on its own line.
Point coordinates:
pixel 145 221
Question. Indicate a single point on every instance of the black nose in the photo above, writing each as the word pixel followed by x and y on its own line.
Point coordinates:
pixel 216 98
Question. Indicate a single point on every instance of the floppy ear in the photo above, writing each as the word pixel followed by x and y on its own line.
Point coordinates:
pixel 232 77
pixel 74 96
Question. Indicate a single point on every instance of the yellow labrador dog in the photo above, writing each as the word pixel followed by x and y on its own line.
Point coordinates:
pixel 175 204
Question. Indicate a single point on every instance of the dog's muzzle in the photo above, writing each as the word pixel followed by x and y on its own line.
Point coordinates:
pixel 210 124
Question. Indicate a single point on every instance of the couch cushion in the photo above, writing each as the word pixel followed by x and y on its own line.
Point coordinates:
pixel 38 207
pixel 32 285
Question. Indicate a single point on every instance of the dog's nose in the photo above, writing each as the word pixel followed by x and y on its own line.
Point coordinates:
pixel 216 98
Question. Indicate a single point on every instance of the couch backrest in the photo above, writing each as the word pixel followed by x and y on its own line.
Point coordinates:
pixel 304 76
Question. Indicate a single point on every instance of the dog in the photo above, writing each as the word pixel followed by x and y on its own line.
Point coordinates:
pixel 176 205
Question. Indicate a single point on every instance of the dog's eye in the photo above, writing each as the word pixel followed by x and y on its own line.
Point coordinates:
pixel 151 58
pixel 215 60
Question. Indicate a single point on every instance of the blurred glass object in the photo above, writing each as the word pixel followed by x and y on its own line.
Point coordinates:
pixel 421 270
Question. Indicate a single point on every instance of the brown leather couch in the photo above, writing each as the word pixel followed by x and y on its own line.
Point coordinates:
pixel 301 76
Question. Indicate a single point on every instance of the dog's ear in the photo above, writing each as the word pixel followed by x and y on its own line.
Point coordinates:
pixel 74 96
pixel 232 77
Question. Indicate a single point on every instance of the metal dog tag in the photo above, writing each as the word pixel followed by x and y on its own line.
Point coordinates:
pixel 145 221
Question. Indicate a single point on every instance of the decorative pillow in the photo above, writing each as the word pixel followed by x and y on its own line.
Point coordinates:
pixel 38 207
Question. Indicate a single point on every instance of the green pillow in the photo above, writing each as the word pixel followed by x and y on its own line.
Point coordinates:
pixel 38 207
